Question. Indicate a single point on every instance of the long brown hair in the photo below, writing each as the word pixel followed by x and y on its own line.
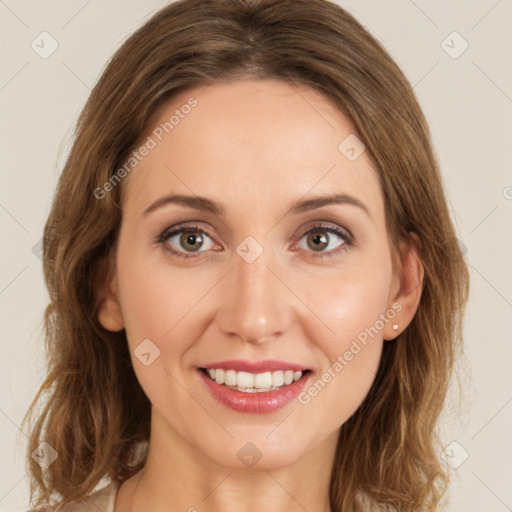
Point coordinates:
pixel 94 413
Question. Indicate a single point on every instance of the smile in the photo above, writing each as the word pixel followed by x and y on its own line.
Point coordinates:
pixel 248 392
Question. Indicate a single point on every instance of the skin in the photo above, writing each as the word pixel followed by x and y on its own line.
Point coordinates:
pixel 257 147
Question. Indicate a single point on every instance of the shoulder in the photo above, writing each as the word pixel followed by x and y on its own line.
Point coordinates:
pixel 100 500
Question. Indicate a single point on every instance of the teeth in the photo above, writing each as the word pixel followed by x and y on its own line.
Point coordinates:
pixel 262 381
pixel 288 376
pixel 220 376
pixel 254 382
pixel 245 380
pixel 229 377
pixel 277 379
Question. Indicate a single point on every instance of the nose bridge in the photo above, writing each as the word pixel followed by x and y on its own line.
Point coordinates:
pixel 255 307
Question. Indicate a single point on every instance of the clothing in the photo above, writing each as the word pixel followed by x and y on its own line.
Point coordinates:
pixel 99 501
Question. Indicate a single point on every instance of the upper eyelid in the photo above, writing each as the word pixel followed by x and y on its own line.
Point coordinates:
pixel 190 224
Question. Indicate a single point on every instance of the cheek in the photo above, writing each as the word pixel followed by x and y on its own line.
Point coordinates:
pixel 350 302
pixel 162 302
pixel 354 307
pixel 158 305
pixel 149 304
pixel 156 294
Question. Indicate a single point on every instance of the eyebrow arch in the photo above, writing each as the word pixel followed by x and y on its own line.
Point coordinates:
pixel 318 202
pixel 207 205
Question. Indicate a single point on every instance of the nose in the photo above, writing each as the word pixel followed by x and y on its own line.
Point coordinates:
pixel 256 304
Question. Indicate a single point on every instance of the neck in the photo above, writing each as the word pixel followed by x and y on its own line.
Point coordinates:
pixel 177 477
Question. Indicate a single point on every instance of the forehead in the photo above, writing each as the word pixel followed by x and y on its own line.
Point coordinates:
pixel 250 143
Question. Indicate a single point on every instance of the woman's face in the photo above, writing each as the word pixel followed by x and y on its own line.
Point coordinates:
pixel 259 282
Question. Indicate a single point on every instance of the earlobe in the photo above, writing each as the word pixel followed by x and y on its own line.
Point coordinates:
pixel 110 314
pixel 407 298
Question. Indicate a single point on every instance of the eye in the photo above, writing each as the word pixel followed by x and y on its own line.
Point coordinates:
pixel 183 242
pixel 189 238
pixel 321 237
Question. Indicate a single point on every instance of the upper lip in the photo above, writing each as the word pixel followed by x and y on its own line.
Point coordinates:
pixel 244 365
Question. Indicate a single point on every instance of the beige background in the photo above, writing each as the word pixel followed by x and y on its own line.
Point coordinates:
pixel 468 101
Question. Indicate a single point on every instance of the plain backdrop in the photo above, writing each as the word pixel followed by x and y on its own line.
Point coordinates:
pixel 466 93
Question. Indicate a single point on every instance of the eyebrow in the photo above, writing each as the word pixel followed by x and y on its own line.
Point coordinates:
pixel 208 205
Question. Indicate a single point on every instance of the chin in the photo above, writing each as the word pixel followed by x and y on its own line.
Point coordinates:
pixel 259 453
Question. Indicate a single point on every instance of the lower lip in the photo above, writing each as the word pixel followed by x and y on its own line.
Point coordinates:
pixel 266 401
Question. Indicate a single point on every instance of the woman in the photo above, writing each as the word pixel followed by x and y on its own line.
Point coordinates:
pixel 256 288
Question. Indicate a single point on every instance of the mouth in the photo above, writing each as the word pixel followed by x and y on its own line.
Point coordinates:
pixel 254 386
pixel 249 382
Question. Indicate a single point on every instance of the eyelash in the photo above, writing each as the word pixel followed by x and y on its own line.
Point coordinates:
pixel 343 233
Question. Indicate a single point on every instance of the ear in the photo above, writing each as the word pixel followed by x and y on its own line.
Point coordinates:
pixel 407 285
pixel 109 311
